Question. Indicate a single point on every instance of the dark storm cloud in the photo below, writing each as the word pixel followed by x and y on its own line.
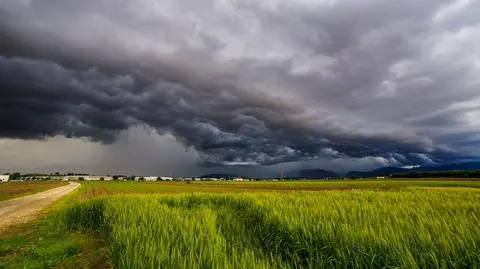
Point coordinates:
pixel 42 99
pixel 257 83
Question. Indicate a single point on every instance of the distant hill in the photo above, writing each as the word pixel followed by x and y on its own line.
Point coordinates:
pixel 427 168
pixel 312 174
pixel 384 171
pixel 451 166
pixel 226 176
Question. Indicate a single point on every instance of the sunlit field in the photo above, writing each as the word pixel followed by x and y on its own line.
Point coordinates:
pixel 98 188
pixel 314 224
pixel 10 190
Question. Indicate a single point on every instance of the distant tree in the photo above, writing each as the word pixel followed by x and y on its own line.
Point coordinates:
pixel 15 176
pixel 141 179
pixel 102 179
pixel 159 178
pixel 115 177
pixel 81 178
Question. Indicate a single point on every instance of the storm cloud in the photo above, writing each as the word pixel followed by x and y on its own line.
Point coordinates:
pixel 248 82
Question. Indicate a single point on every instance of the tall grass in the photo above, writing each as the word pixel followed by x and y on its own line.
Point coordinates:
pixel 408 228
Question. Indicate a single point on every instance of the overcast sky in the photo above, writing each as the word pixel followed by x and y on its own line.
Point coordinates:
pixel 185 87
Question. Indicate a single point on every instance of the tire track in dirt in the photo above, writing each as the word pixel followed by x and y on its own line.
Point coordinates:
pixel 22 209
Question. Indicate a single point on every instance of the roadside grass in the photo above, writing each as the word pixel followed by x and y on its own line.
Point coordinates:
pixel 9 190
pixel 43 244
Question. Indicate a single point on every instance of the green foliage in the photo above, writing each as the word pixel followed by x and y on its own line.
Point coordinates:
pixel 406 228
pixel 15 176
pixel 42 245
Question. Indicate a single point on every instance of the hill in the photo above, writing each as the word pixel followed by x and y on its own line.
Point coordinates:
pixel 385 171
pixel 312 174
pixel 220 175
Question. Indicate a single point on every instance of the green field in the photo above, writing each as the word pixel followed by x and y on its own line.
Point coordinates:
pixel 94 189
pixel 9 190
pixel 307 224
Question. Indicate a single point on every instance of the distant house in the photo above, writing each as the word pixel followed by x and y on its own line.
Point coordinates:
pixel 91 178
pixel 381 177
pixel 87 178
pixel 4 178
pixel 150 178
pixel 238 179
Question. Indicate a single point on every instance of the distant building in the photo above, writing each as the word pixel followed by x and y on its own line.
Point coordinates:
pixel 4 178
pixel 92 178
pixel 238 179
pixel 150 178
pixel 381 177
pixel 87 178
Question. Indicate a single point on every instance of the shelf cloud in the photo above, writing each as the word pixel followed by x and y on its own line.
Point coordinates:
pixel 248 83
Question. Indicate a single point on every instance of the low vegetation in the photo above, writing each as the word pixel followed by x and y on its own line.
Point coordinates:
pixel 407 228
pixel 305 224
pixel 10 190
pixel 95 189
pixel 42 243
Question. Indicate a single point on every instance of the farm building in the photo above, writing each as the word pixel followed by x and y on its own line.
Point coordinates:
pixel 4 178
pixel 238 179
pixel 150 178
pixel 87 178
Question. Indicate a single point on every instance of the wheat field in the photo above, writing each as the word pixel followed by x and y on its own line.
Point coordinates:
pixel 417 227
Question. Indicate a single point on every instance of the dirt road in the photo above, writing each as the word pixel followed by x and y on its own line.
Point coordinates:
pixel 23 209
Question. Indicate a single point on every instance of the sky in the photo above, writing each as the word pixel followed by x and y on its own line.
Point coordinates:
pixel 184 87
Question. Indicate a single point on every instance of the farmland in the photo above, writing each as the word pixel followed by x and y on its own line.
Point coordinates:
pixel 305 224
pixel 10 190
pixel 409 228
pixel 94 189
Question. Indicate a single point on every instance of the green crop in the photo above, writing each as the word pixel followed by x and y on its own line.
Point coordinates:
pixel 405 228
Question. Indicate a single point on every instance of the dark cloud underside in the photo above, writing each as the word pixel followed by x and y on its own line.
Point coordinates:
pixel 248 83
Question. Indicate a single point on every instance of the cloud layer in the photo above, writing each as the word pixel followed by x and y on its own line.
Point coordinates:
pixel 248 82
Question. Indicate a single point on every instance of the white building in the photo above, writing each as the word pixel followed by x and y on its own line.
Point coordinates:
pixel 238 179
pixel 4 178
pixel 87 178
pixel 150 178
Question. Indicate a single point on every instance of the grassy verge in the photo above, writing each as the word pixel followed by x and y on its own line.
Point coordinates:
pixel 43 244
pixel 9 190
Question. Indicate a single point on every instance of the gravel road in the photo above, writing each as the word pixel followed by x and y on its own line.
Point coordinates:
pixel 22 209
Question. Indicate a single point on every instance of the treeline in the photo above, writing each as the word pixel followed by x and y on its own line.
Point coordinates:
pixel 439 174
